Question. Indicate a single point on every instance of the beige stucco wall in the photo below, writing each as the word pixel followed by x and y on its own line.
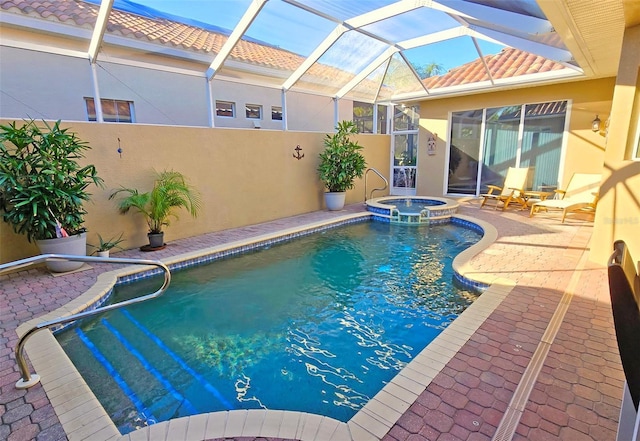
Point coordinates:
pixel 618 213
pixel 584 151
pixel 245 177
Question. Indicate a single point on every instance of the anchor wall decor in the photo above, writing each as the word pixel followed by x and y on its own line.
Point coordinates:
pixel 297 154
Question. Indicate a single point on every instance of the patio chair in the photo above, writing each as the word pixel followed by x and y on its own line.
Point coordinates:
pixel 581 195
pixel 511 191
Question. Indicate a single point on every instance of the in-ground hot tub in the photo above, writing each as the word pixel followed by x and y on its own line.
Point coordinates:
pixel 413 210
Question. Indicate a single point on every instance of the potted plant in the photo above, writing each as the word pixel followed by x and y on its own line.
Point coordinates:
pixel 170 192
pixel 340 163
pixel 43 187
pixel 104 246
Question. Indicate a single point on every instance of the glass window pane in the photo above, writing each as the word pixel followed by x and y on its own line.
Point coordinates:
pixel 363 117
pixel 253 111
pixel 225 108
pixel 405 118
pixel 91 109
pixel 124 111
pixel 351 53
pixel 404 177
pixel 452 58
pixel 542 143
pixel 412 24
pixel 464 151
pixel 382 119
pixel 400 79
pixel 345 10
pixel 369 88
pixel 405 149
pixel 109 113
pixel 276 113
pixel 287 34
pixel 282 25
pixel 500 144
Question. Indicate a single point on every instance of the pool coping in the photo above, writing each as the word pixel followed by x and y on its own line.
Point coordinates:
pixel 83 417
pixel 433 214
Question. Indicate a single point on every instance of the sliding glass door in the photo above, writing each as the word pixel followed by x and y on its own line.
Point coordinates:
pixel 542 143
pixel 464 152
pixel 500 144
pixel 486 142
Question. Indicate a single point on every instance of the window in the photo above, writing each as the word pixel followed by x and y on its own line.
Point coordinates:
pixel 226 109
pixel 253 111
pixel 112 110
pixel 276 113
pixel 486 142
pixel 405 118
pixel 382 119
pixel 363 116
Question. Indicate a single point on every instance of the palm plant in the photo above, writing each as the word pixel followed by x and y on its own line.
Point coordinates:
pixel 170 191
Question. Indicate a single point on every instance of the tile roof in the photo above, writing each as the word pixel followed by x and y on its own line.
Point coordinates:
pixel 508 63
pixel 156 30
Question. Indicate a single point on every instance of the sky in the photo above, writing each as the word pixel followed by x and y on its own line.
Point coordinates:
pixel 291 28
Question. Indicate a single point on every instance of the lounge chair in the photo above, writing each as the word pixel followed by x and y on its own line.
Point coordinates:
pixel 581 195
pixel 512 190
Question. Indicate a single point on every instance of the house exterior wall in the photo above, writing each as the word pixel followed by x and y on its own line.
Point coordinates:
pixel 45 85
pixel 305 112
pixel 159 97
pixel 245 177
pixel 618 213
pixel 584 150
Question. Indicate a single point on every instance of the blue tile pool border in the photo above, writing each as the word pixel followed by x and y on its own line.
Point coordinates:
pixel 465 281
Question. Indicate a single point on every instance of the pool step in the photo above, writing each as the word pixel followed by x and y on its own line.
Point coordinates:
pixel 136 373
pixel 136 361
pixel 199 378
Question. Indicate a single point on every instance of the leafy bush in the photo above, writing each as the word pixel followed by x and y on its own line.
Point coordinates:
pixel 42 185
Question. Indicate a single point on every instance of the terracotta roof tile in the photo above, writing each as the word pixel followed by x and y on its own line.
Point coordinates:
pixel 157 30
pixel 508 63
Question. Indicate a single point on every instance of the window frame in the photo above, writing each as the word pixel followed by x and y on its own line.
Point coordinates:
pixel 483 128
pixel 276 112
pixel 128 119
pixel 232 106
pixel 257 107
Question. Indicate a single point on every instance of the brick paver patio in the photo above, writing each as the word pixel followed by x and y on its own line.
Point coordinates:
pixel 571 392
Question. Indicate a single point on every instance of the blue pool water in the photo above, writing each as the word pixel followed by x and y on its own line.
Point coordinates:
pixel 318 324
pixel 411 205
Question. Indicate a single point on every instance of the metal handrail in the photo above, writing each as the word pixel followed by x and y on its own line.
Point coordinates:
pixel 386 183
pixel 29 380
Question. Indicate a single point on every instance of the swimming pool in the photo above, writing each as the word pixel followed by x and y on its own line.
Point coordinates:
pixel 208 345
